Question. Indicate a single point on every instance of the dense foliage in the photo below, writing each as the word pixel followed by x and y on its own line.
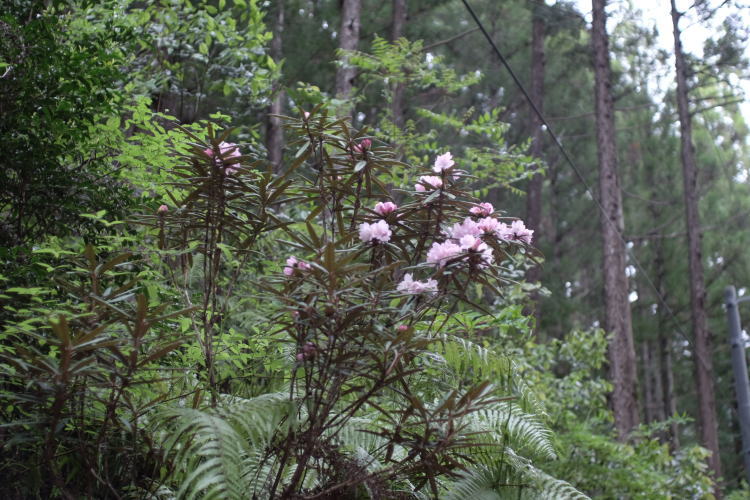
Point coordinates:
pixel 183 319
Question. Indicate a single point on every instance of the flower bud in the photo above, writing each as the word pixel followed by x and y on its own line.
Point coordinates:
pixel 364 145
pixel 162 210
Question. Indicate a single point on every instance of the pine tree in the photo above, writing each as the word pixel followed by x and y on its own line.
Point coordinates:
pixel 704 372
pixel 621 352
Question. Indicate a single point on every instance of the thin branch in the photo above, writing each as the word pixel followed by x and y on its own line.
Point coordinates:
pixel 449 40
pixel 717 105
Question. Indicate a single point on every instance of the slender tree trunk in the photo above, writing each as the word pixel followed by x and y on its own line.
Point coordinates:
pixel 621 352
pixel 704 372
pixel 647 385
pixel 667 377
pixel 534 193
pixel 348 40
pixel 654 410
pixel 668 400
pixel 399 88
pixel 663 402
pixel 274 128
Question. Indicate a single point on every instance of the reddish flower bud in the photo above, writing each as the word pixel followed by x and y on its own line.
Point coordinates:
pixel 364 145
pixel 162 210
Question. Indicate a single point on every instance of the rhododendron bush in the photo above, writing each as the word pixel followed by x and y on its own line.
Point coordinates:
pixel 321 342
pixel 384 388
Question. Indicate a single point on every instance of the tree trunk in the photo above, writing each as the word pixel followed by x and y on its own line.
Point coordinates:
pixel 274 128
pixel 398 23
pixel 348 40
pixel 534 193
pixel 653 391
pixel 621 352
pixel 667 378
pixel 399 88
pixel 704 372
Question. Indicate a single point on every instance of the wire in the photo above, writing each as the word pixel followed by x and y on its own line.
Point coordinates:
pixel 586 185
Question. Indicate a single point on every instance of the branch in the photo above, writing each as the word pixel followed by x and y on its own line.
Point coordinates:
pixel 717 105
pixel 590 114
pixel 449 40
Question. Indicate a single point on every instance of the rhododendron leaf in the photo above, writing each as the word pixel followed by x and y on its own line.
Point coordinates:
pixel 302 150
pixel 313 234
pixel 120 259
pixel 314 213
pixel 432 196
pixel 359 166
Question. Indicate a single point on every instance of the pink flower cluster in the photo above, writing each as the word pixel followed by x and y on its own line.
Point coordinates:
pixel 292 263
pixel 441 253
pixel 409 285
pixel 443 162
pixel 516 231
pixel 467 237
pixel 376 232
pixel 432 181
pixel 482 210
pixel 228 150
pixel 386 208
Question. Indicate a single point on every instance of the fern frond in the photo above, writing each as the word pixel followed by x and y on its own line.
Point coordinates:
pixel 511 476
pixel 220 454
pixel 543 486
pixel 508 425
pixel 209 453
pixel 471 360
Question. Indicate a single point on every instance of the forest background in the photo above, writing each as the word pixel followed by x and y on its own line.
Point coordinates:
pixel 112 112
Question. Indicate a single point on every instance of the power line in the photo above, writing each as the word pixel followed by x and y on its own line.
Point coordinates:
pixel 572 164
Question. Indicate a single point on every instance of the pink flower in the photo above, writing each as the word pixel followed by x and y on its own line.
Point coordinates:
pixel 306 114
pixel 431 180
pixel 517 231
pixel 228 151
pixel 378 231
pixel 474 245
pixel 482 210
pixel 488 224
pixel 408 285
pixel 443 162
pixel 292 263
pixel 385 208
pixel 440 253
pixel 364 145
pixel 468 226
pixel 470 242
pixel 162 210
pixel 402 328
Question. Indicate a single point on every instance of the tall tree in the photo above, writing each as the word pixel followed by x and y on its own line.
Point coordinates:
pixel 274 129
pixel 704 372
pixel 398 26
pixel 348 40
pixel 534 192
pixel 622 365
